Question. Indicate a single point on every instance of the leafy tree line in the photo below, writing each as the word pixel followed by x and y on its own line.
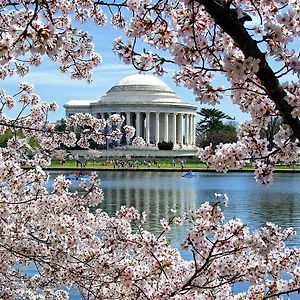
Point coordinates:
pixel 31 143
pixel 212 130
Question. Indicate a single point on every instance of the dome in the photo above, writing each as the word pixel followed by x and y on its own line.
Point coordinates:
pixel 141 88
pixel 140 79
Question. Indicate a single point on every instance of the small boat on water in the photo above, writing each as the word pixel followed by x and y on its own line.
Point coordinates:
pixel 78 176
pixel 189 174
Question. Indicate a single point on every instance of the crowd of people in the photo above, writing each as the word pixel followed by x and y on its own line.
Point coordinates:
pixel 136 164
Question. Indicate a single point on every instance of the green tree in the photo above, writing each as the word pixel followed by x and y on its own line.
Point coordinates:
pixel 211 129
pixel 61 126
pixel 269 132
pixel 5 137
pixel 211 119
pixel 31 143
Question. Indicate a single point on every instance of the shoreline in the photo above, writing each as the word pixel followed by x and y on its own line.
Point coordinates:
pixel 89 169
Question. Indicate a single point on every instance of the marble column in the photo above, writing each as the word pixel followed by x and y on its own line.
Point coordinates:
pixel 166 135
pixel 148 128
pixel 128 121
pixel 191 129
pixel 180 133
pixel 174 129
pixel 186 132
pixel 194 129
pixel 138 124
pixel 157 128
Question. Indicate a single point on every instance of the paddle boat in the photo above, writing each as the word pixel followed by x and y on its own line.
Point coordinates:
pixel 78 176
pixel 189 174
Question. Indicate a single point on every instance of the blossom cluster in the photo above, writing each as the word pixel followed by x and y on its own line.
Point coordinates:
pixel 201 83
pixel 32 30
pixel 225 156
pixel 98 130
pixel 138 142
pixel 239 69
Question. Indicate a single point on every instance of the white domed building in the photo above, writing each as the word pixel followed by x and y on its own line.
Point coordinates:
pixel 149 105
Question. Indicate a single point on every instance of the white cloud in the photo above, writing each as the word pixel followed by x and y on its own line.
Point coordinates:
pixel 104 73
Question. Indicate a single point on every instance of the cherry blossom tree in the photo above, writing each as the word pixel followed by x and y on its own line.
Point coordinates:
pixel 71 243
pixel 94 154
pixel 59 155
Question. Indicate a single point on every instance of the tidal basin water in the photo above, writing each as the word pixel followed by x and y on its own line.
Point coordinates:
pixel 157 192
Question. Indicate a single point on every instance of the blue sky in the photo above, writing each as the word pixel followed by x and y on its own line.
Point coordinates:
pixel 53 85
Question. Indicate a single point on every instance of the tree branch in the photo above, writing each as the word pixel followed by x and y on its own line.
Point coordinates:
pixel 229 23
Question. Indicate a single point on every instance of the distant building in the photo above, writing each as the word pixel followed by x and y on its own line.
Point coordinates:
pixel 149 105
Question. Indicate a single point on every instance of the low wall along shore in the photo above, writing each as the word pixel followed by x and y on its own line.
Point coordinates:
pixel 115 153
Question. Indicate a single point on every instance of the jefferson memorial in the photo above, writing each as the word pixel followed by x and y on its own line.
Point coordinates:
pixel 149 105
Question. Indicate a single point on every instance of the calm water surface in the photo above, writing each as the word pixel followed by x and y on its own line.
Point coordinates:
pixel 157 192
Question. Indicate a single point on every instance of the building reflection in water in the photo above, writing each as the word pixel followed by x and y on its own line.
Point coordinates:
pixel 152 193
pixel 156 203
pixel 157 193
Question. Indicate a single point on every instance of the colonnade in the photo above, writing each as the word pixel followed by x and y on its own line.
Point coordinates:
pixel 155 127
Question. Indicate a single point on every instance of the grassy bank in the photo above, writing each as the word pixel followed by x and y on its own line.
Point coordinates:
pixel 159 165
